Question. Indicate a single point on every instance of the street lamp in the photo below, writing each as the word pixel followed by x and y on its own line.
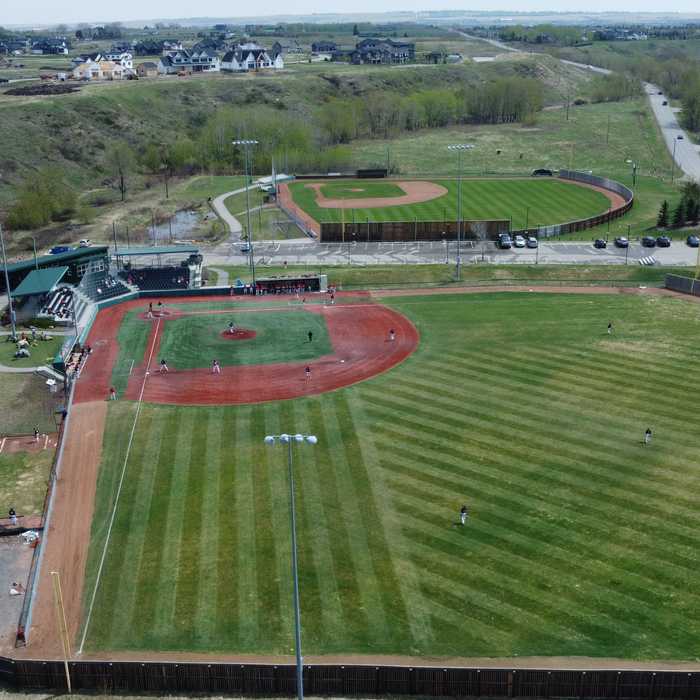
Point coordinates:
pixel 289 440
pixel 460 148
pixel 247 143
pixel 673 158
pixel 7 286
pixel 634 171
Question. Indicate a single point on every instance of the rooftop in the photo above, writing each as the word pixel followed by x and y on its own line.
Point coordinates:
pixel 40 281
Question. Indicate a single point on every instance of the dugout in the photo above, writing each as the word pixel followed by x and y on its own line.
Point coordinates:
pixel 159 268
pixel 285 284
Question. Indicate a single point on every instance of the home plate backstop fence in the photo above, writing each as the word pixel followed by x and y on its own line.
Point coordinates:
pixel 347 680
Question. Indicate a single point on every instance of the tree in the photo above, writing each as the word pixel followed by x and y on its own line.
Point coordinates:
pixel 662 219
pixel 678 220
pixel 121 161
pixel 42 198
pixel 355 31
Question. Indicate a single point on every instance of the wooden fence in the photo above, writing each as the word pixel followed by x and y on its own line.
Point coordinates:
pixel 351 680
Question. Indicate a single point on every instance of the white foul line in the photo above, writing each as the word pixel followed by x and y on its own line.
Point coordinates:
pixel 119 490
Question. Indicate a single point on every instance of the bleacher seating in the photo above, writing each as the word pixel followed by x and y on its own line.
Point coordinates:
pixel 58 305
pixel 99 286
pixel 158 277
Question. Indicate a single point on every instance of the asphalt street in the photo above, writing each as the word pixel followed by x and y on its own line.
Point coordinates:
pixel 308 252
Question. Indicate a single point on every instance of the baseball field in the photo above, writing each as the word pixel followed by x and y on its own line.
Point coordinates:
pixel 580 540
pixel 529 201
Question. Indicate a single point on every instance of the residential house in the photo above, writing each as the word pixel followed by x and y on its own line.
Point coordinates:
pixel 289 46
pixel 99 70
pixel 51 45
pixel 147 69
pixel 126 58
pixel 14 46
pixel 383 51
pixel 250 56
pixel 185 61
pixel 324 47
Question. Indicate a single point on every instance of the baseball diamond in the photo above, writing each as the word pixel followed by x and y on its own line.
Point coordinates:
pixel 520 405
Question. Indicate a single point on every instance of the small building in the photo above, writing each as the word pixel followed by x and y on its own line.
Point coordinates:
pixel 205 61
pixel 290 46
pixel 125 58
pixel 148 69
pixel 51 46
pixel 250 57
pixel 174 62
pixel 377 51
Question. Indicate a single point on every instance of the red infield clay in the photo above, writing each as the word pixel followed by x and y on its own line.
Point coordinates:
pixel 359 335
pixel 415 192
pixel 238 334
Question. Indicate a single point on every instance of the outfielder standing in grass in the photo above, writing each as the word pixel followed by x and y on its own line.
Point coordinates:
pixel 311 336
pixel 463 515
pixel 647 436
pixel 610 328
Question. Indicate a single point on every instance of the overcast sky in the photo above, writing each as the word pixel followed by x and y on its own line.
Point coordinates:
pixel 41 12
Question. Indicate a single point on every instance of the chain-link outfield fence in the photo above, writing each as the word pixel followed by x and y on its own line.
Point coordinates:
pixel 686 285
pixel 279 680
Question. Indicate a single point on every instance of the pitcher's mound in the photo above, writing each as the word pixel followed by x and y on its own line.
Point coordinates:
pixel 238 334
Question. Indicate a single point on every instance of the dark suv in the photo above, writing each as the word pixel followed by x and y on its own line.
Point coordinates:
pixel 504 241
pixel 648 241
pixel 663 242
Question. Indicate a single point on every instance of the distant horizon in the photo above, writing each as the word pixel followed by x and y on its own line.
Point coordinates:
pixel 132 13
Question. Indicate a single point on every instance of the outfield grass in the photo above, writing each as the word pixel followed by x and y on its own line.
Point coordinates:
pixel 388 276
pixel 526 201
pixel 581 540
pixel 194 341
pixel 25 403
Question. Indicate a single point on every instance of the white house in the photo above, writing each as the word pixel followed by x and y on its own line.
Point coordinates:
pixel 205 61
pixel 247 57
pixel 126 58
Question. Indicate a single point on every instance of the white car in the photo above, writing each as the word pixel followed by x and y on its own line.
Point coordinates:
pixel 519 241
pixel 85 243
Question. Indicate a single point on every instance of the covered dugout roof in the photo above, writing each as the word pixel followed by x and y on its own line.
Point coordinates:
pixel 40 281
pixel 133 251
pixel 65 258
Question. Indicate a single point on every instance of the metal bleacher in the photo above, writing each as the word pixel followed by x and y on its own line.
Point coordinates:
pixel 99 286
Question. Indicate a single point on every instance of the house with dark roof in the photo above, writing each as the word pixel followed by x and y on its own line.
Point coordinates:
pixel 385 51
pixel 248 57
pixel 324 47
pixel 51 45
pixel 286 47
pixel 187 61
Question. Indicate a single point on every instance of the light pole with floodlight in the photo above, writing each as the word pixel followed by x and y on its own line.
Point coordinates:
pixel 7 286
pixel 247 143
pixel 634 171
pixel 459 147
pixel 673 158
pixel 289 440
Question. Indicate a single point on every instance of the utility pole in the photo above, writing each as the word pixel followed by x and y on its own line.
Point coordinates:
pixel 247 143
pixel 459 147
pixel 7 285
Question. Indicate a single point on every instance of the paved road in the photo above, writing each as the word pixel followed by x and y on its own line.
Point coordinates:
pixel 306 252
pixel 687 156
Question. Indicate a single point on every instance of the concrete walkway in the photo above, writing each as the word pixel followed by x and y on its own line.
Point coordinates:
pixel 222 276
pixel 219 206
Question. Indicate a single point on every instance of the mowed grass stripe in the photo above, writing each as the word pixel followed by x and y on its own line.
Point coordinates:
pixel 165 625
pixel 418 619
pixel 407 434
pixel 206 610
pixel 147 590
pixel 225 511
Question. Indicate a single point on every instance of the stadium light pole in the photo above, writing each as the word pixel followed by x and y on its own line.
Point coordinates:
pixel 460 148
pixel 7 285
pixel 247 143
pixel 289 440
pixel 634 171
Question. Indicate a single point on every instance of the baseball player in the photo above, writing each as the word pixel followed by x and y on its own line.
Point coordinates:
pixel 392 335
pixel 215 367
pixel 307 372
pixel 463 515
pixel 163 366
pixel 647 436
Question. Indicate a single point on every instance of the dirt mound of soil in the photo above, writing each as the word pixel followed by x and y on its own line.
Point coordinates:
pixel 42 89
pixel 238 334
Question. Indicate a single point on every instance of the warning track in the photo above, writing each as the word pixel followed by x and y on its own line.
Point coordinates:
pixel 359 334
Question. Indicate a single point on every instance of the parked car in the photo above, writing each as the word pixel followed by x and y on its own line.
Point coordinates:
pixel 245 248
pixel 519 241
pixel 665 103
pixel 600 243
pixel 622 242
pixel 84 243
pixel 693 241
pixel 532 242
pixel 542 172
pixel 58 249
pixel 648 241
pixel 663 242
pixel 680 137
pixel 504 241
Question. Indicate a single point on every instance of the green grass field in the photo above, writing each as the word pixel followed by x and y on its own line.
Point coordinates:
pixel 41 354
pixel 527 201
pixel 581 540
pixel 24 479
pixel 189 342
